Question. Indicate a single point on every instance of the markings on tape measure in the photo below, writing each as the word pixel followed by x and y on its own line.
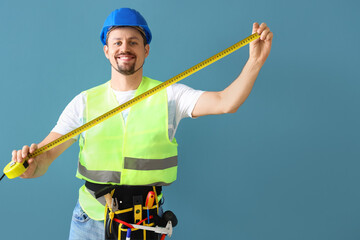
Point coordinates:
pixel 141 97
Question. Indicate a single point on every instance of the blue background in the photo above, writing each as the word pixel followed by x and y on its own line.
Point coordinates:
pixel 285 166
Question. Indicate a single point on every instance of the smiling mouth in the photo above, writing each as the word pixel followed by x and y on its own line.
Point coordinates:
pixel 126 57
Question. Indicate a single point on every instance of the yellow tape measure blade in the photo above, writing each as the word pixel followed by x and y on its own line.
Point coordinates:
pixel 14 169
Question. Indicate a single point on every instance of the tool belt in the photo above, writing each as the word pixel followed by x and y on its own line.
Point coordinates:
pixel 127 205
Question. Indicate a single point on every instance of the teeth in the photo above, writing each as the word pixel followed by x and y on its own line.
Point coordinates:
pixel 125 58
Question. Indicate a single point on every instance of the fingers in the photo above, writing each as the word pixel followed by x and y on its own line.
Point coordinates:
pixel 255 27
pixel 33 148
pixel 263 30
pixel 20 155
pixel 14 154
pixel 264 33
pixel 25 151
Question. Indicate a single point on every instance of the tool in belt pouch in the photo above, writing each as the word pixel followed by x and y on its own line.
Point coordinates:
pixel 125 210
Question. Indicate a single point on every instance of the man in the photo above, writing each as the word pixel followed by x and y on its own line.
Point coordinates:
pixel 138 148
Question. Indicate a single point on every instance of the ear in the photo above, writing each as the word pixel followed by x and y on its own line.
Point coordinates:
pixel 106 51
pixel 147 50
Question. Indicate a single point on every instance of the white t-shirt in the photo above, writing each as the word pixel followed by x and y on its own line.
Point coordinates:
pixel 181 102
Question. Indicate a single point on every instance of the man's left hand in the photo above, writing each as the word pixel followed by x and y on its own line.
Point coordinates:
pixel 260 48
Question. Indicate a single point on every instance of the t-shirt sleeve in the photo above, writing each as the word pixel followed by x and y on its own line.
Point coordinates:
pixel 185 98
pixel 72 116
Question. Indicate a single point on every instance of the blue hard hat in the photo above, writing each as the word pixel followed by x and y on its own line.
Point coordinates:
pixel 125 17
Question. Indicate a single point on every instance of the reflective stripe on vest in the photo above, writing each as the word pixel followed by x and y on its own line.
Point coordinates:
pixel 130 163
pixel 136 153
pixel 150 164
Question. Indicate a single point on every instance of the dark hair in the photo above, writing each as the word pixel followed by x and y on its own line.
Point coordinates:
pixel 141 31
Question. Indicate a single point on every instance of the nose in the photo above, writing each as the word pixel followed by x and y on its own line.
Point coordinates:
pixel 125 46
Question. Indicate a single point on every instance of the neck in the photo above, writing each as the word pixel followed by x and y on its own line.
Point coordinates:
pixel 122 82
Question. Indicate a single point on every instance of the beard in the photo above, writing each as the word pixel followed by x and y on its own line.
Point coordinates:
pixel 127 69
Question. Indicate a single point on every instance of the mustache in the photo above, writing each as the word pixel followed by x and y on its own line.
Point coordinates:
pixel 125 53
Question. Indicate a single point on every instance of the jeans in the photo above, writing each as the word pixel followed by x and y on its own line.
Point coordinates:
pixel 84 228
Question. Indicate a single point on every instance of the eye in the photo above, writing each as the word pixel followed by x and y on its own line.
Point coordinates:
pixel 118 43
pixel 133 43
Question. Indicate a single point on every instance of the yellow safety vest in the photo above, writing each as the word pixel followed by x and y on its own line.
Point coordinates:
pixel 136 153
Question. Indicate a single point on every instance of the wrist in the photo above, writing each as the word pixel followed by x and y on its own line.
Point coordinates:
pixel 254 64
pixel 41 164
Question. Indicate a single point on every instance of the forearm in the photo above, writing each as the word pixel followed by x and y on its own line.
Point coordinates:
pixel 232 97
pixel 46 158
pixel 40 164
pixel 237 92
pixel 43 163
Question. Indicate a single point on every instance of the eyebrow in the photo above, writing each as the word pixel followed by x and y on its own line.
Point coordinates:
pixel 131 38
